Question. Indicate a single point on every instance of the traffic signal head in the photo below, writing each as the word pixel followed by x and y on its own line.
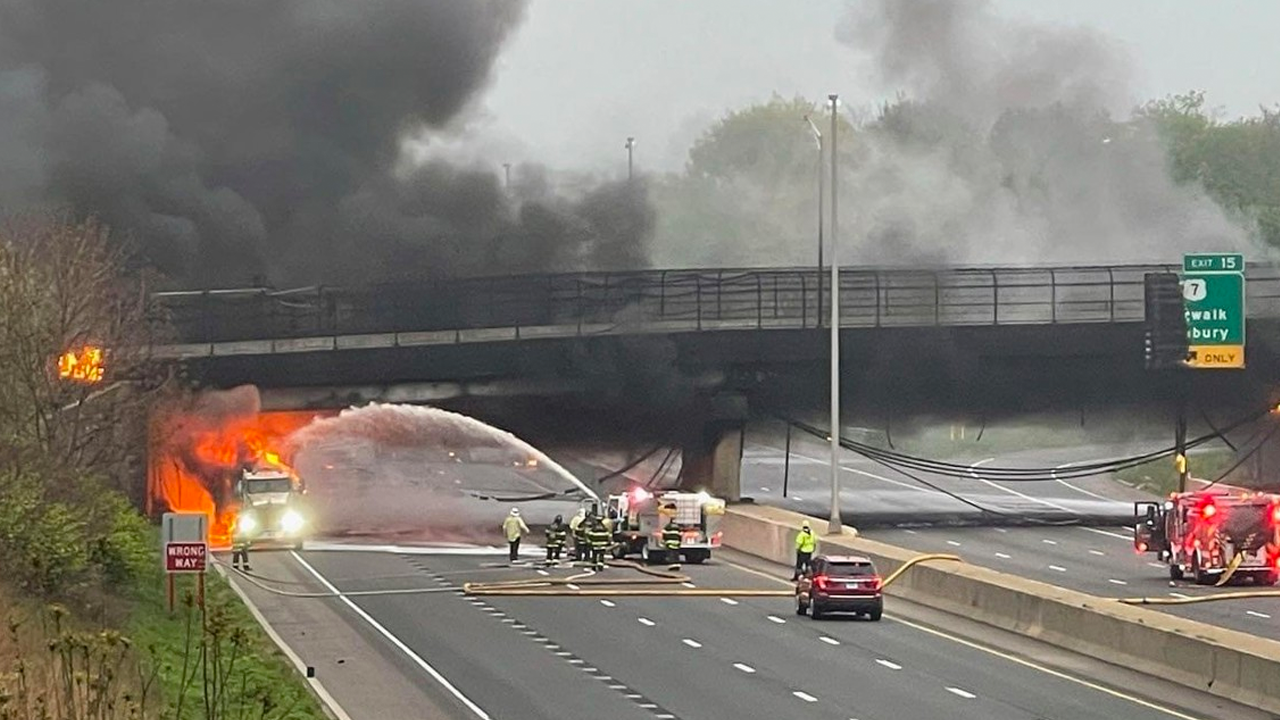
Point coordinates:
pixel 1165 328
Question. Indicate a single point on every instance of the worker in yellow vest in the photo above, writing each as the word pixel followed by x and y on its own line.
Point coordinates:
pixel 806 546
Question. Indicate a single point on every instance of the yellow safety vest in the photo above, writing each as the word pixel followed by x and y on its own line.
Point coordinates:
pixel 806 542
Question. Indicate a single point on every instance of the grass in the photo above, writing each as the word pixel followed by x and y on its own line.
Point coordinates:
pixel 236 673
pixel 1161 477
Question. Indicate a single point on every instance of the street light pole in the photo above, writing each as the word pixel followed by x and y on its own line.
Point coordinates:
pixel 817 136
pixel 835 524
pixel 631 144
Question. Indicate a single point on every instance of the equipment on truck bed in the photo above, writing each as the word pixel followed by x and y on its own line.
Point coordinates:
pixel 1209 534
pixel 642 515
pixel 271 509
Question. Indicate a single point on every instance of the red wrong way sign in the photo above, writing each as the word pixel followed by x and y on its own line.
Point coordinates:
pixel 185 557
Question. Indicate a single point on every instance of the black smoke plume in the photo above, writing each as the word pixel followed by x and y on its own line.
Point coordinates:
pixel 236 139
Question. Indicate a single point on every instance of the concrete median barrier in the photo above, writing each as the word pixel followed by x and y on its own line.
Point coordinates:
pixel 1227 663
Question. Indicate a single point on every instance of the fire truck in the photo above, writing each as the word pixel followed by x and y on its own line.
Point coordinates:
pixel 640 515
pixel 1209 533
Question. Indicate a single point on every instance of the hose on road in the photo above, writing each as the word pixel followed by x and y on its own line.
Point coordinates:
pixel 1240 595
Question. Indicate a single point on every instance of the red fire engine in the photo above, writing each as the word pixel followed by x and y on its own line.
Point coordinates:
pixel 1207 533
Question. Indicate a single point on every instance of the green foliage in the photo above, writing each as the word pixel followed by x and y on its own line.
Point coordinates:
pixel 1237 162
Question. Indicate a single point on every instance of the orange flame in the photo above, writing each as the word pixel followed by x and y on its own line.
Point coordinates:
pixel 85 366
pixel 196 470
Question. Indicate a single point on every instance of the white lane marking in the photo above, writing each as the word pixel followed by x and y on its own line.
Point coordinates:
pixel 577 661
pixel 890 665
pixel 776 619
pixel 1264 616
pixel 962 693
pixel 648 706
pixel 1108 533
pixel 608 603
pixel 688 585
pixel 1054 474
pixel 1003 656
pixel 1047 541
pixel 1156 565
pixel 543 572
pixel 1002 530
pixel 1057 568
pixel 338 711
pixel 911 532
pixel 744 668
pixel 953 543
pixel 973 471
pixel 829 640
pixel 634 696
pixel 1003 556
pixel 646 621
pixel 571 586
pixel 691 643
pixel 728 601
pixel 1097 552
pixel 864 473
pixel 415 657
pixel 805 696
pixel 1179 595
pixel 616 686
pixel 564 653
pixel 665 716
pixel 1114 581
pixel 763 488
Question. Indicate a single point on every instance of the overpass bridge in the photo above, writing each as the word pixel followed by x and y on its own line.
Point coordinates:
pixel 268 321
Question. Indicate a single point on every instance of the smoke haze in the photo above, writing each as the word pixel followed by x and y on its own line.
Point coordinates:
pixel 236 139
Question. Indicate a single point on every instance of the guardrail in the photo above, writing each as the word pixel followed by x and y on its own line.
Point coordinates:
pixel 786 298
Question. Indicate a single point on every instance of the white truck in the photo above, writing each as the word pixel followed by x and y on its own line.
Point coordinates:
pixel 640 516
pixel 271 509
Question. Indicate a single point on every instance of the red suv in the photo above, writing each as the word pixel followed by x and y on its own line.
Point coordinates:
pixel 840 583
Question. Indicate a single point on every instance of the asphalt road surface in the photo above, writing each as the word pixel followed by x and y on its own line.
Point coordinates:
pixel 1096 560
pixel 440 654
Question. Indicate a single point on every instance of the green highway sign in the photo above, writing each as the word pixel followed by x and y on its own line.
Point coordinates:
pixel 1213 262
pixel 1213 296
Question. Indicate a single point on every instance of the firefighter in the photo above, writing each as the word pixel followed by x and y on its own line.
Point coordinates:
pixel 514 528
pixel 599 538
pixel 240 546
pixel 671 542
pixel 806 545
pixel 556 532
pixel 577 527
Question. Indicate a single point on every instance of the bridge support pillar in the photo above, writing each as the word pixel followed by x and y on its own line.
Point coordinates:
pixel 713 461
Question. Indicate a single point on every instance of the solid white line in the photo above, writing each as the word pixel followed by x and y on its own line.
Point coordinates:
pixel 608 603
pixel 776 619
pixel 646 621
pixel 728 601
pixel 829 640
pixel 691 643
pixel 320 690
pixel 1116 582
pixel 890 665
pixel 1057 568
pixel 864 473
pixel 1011 658
pixel 1011 491
pixel 962 693
pixel 415 657
pixel 744 668
pixel 1108 533
pixel 1264 616
pixel 805 696
pixel 1003 556
pixel 1097 552
pixel 1054 474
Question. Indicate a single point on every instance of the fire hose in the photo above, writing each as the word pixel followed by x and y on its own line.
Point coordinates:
pixel 588 585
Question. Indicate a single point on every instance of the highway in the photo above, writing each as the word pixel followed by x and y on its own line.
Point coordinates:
pixel 1095 560
pixel 440 654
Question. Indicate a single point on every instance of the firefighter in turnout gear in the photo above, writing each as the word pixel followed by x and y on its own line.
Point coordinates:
pixel 578 529
pixel 599 538
pixel 556 533
pixel 240 547
pixel 671 539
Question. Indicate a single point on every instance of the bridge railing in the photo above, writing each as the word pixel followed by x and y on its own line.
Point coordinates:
pixel 589 303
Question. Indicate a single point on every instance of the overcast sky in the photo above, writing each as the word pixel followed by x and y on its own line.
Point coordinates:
pixel 582 75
